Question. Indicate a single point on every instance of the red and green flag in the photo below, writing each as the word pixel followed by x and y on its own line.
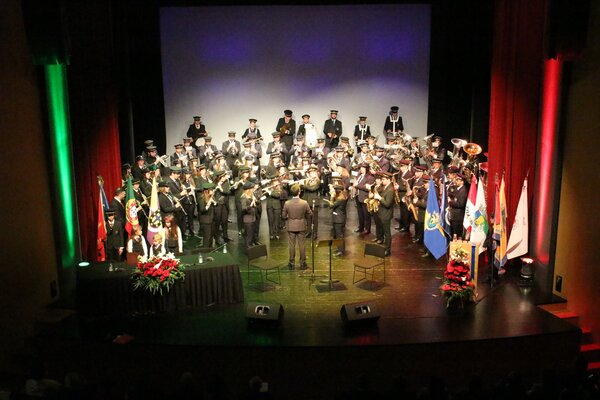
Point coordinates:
pixel 130 208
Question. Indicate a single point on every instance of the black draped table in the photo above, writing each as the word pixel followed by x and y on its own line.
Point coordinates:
pixel 102 292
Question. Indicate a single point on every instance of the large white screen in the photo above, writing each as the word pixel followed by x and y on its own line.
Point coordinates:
pixel 229 64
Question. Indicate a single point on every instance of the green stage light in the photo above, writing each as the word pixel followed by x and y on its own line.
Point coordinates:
pixel 60 143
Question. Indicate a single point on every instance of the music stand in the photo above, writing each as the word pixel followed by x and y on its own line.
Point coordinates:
pixel 330 243
pixel 312 276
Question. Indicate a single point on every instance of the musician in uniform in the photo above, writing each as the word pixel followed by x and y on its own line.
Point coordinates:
pixel 114 236
pixel 332 130
pixel 277 146
pixel 296 152
pixel 414 151
pixel 286 126
pixel 385 213
pixel 419 200
pixel 206 206
pixel 142 204
pixel 248 211
pixel 311 196
pixel 231 150
pixel 405 182
pixel 302 128
pixel 274 207
pixel 177 192
pixel 188 202
pixel 207 151
pixel 338 200
pixel 393 122
pixel 361 131
pixel 165 200
pixel 222 192
pixel 296 211
pixel 151 156
pixel 362 185
pixel 146 182
pixel 136 169
pixel 189 149
pixel 382 161
pixel 457 201
pixel 196 130
pixel 179 157
pixel 238 189
pixel 252 132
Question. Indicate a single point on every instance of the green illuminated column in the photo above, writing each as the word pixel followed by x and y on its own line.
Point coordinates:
pixel 63 181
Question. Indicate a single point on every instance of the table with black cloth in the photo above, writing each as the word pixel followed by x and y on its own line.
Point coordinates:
pixel 102 292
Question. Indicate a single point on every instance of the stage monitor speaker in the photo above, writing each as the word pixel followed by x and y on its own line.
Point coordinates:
pixel 264 311
pixel 360 312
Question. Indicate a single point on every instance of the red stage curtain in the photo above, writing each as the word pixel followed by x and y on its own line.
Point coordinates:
pixel 517 69
pixel 94 115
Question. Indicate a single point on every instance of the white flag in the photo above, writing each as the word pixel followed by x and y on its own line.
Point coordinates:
pixel 518 243
pixel 480 227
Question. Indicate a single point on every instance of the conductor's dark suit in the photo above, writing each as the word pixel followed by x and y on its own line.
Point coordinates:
pixel 296 211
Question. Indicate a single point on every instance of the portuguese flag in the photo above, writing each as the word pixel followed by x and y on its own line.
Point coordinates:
pixel 130 208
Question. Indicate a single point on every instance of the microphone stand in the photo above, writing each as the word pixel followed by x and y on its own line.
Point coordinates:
pixel 312 276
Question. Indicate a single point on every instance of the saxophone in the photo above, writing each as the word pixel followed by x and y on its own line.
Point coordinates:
pixel 371 202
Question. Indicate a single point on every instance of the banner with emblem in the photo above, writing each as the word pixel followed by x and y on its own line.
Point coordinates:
pixel 480 227
pixel 154 218
pixel 434 236
pixel 500 226
pixel 130 208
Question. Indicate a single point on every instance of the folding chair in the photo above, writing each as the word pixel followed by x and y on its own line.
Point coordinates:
pixel 267 265
pixel 373 257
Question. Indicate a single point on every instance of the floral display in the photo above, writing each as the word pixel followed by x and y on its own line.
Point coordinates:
pixel 157 274
pixel 457 284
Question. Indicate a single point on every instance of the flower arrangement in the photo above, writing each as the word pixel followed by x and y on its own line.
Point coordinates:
pixel 457 285
pixel 157 273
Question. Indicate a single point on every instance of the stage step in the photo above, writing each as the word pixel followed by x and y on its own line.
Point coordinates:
pixel 586 335
pixel 591 351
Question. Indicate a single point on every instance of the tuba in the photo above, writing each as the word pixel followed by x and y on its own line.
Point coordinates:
pixel 472 149
pixel 457 160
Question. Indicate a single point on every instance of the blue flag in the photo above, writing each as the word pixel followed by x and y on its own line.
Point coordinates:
pixel 435 238
pixel 444 209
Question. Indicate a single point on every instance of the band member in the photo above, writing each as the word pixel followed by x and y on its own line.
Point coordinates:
pixel 179 157
pixel 272 168
pixel 457 201
pixel 338 199
pixel 332 130
pixel 137 243
pixel 438 175
pixel 177 192
pixel 189 149
pixel 277 146
pixel 206 206
pixel 286 126
pixel 296 152
pixel 362 185
pixel 361 131
pixel 296 211
pixel 419 200
pixel 114 237
pixel 238 189
pixel 302 128
pixel 231 150
pixel 207 151
pixel 342 175
pixel 166 201
pixel 125 173
pixel 143 205
pixel 152 159
pixel 405 182
pixel 386 209
pixel 393 122
pixel 311 196
pixel 173 240
pixel 274 207
pixel 253 147
pixel 374 189
pixel 320 153
pixel 196 130
pixel 414 151
pixel 222 192
pixel 146 182
pixel 145 150
pixel 188 202
pixel 348 151
pixel 248 211
pixel 252 132
pixel 384 163
pixel 136 170
pixel 158 247
pixel 361 157
pixel 116 203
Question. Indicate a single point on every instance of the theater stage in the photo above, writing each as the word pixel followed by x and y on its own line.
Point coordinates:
pixel 415 334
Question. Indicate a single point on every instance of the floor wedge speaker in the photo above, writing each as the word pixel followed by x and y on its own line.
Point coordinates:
pixel 264 311
pixel 366 311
